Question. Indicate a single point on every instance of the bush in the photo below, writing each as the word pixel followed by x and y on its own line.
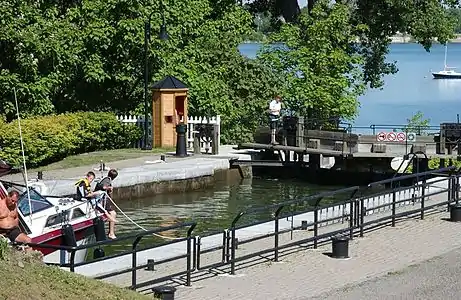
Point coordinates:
pixel 51 138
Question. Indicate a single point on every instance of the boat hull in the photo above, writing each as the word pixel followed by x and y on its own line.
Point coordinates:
pixel 446 76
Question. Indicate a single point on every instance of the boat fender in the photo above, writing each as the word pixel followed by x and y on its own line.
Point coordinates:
pixel 99 230
pixel 68 235
pixel 98 253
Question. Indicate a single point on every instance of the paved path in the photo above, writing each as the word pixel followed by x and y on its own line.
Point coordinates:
pixel 437 278
pixel 310 273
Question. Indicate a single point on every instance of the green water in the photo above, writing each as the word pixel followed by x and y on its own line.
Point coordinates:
pixel 213 209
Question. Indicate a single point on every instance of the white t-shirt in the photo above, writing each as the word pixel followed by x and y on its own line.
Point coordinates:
pixel 274 105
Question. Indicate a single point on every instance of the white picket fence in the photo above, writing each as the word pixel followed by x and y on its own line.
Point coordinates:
pixel 191 122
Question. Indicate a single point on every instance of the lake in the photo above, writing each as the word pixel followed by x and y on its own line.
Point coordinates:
pixel 412 89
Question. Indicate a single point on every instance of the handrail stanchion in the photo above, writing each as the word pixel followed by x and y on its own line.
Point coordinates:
pixel 393 207
pixel 233 244
pixel 198 245
pixel 224 245
pixel 276 233
pixel 189 254
pixel 457 189
pixel 72 260
pixel 362 215
pixel 351 219
pixel 134 261
pixel 423 193
pixel 316 226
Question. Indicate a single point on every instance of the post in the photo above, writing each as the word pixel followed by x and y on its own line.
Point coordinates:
pixel 276 233
pixel 147 145
pixel 197 148
pixel 215 140
pixel 233 251
pixel 362 215
pixel 300 133
pixel 224 246
pixel 316 226
pixel 199 248
pixel 423 192
pixel 393 208
pixel 181 147
pixel 351 220
pixel 134 262
pixel 188 261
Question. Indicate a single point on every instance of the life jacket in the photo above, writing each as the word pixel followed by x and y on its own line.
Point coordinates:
pixel 87 188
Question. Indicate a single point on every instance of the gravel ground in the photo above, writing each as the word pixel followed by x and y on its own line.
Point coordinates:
pixel 437 278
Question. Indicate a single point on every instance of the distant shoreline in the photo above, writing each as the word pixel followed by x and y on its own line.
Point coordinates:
pixel 396 39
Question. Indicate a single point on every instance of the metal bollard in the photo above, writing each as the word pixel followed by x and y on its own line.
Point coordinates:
pixel 162 157
pixel 40 175
pixel 164 292
pixel 150 265
pixel 340 247
pixel 303 225
pixel 181 147
pixel 455 212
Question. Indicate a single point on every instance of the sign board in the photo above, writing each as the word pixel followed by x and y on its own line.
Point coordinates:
pixel 399 137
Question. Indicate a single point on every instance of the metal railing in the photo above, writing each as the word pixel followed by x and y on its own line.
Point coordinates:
pixel 357 207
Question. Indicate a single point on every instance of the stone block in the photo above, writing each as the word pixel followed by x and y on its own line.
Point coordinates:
pixel 313 144
pixel 378 148
pixel 418 148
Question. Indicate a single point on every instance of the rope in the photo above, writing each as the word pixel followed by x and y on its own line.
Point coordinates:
pixel 136 224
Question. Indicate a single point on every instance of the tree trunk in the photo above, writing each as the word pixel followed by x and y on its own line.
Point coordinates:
pixel 289 9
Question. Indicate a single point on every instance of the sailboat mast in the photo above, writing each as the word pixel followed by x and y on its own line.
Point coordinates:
pixel 445 61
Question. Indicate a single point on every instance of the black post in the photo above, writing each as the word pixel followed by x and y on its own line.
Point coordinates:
pixel 316 226
pixel 351 220
pixel 423 192
pixel 393 208
pixel 134 262
pixel 276 236
pixel 188 261
pixel 72 260
pixel 233 251
pixel 181 130
pixel 362 215
pixel 457 189
pixel 147 145
pixel 224 246
pixel 199 248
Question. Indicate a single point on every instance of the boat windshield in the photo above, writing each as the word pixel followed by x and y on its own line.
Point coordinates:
pixel 37 201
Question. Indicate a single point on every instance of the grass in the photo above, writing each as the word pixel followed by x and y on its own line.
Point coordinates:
pixel 106 156
pixel 26 277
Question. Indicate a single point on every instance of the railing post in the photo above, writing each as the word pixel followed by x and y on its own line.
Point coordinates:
pixel 457 189
pixel 233 251
pixel 450 192
pixel 423 193
pixel 72 260
pixel 198 245
pixel 393 207
pixel 276 233
pixel 228 245
pixel 224 245
pixel 134 253
pixel 188 260
pixel 316 226
pixel 362 215
pixel 351 219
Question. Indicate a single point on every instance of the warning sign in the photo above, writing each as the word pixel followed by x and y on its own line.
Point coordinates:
pixel 391 136
pixel 381 137
pixel 401 137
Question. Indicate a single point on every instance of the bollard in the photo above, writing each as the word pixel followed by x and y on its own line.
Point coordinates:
pixel 340 247
pixel 181 130
pixel 197 149
pixel 162 157
pixel 150 265
pixel 164 292
pixel 40 175
pixel 455 212
pixel 303 225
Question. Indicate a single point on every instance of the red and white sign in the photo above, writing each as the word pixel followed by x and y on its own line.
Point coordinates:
pixel 401 137
pixel 381 137
pixel 391 136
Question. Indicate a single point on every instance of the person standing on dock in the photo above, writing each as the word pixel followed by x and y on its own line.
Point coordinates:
pixel 274 115
pixel 106 185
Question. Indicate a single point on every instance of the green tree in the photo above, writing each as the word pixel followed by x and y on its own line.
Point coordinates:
pixel 417 124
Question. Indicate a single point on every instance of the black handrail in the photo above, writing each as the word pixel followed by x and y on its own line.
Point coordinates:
pixel 416 175
pixel 279 207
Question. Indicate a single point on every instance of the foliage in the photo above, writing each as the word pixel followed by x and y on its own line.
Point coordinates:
pixel 374 22
pixel 417 124
pixel 51 138
pixel 74 56
pixel 320 71
pixel 456 14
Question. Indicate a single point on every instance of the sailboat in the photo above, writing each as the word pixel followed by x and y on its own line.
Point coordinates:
pixel 448 72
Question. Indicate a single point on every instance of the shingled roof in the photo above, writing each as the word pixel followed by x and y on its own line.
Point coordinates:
pixel 169 82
